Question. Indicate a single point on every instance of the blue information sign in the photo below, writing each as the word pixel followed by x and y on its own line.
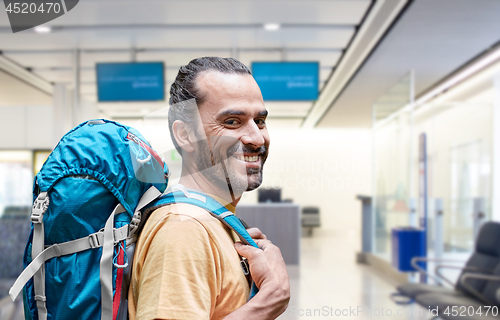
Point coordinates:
pixel 137 81
pixel 287 81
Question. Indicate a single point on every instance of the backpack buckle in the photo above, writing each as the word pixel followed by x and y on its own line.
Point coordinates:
pixel 40 205
pixel 135 222
pixel 244 266
pixel 94 239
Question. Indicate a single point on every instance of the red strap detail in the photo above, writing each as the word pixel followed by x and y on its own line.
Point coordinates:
pixel 119 281
pixel 155 155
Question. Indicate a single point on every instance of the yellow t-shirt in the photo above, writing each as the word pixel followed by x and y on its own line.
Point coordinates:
pixel 185 267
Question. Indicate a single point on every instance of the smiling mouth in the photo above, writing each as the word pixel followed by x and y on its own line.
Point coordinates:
pixel 249 159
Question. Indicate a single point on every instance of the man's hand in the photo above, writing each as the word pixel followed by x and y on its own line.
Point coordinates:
pixel 268 271
pixel 255 234
pixel 267 266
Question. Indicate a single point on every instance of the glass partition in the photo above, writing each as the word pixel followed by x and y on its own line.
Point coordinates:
pixel 459 169
pixel 459 152
pixel 391 153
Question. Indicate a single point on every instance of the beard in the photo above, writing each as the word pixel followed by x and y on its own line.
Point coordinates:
pixel 226 172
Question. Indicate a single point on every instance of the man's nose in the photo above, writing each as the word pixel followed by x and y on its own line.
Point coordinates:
pixel 253 135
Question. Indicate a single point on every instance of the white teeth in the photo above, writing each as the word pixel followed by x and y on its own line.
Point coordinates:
pixel 247 158
pixel 251 159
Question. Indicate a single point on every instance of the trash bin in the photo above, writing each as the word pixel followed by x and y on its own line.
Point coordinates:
pixel 407 243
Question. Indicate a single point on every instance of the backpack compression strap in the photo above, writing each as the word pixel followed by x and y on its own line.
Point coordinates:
pixel 216 209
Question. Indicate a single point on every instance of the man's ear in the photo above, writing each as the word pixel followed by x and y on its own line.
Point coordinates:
pixel 182 136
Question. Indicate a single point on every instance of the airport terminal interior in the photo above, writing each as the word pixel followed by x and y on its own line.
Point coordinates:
pixel 383 175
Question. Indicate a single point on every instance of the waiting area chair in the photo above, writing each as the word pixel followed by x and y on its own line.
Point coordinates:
pixel 15 230
pixel 310 219
pixel 478 284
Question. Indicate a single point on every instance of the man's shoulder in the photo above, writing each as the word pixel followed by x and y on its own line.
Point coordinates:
pixel 182 211
pixel 186 220
pixel 176 226
pixel 182 216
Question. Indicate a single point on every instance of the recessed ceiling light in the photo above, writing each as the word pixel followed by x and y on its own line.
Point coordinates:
pixel 43 29
pixel 272 26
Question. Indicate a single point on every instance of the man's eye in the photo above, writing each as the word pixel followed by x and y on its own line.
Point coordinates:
pixel 260 122
pixel 231 122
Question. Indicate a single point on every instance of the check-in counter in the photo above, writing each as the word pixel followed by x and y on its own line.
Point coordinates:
pixel 280 222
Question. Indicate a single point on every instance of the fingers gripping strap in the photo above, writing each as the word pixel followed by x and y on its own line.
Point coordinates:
pixel 236 225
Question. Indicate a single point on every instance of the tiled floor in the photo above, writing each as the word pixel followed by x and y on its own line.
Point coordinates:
pixel 331 285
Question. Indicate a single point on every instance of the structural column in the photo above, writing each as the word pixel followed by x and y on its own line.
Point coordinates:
pixel 495 212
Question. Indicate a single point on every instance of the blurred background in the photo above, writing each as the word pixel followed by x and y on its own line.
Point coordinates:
pixel 384 119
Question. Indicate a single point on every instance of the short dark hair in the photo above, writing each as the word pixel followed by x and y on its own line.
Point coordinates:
pixel 185 87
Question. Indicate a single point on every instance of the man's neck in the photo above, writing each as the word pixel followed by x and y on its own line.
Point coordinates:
pixel 197 181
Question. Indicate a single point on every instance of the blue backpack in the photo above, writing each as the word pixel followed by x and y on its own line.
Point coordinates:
pixel 86 216
pixel 85 197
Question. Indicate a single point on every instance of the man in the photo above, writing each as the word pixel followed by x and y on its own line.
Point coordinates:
pixel 187 264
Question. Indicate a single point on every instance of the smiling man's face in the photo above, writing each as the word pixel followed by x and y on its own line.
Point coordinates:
pixel 233 118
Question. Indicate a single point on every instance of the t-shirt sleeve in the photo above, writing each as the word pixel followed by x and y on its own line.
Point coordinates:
pixel 179 276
